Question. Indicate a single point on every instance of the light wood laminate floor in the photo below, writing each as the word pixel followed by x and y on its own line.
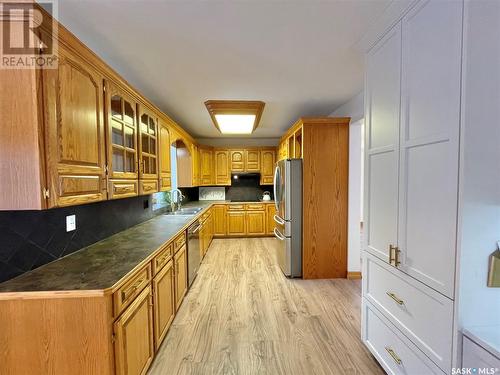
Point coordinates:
pixel 242 316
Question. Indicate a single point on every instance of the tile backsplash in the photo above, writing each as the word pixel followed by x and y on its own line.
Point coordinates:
pixel 30 239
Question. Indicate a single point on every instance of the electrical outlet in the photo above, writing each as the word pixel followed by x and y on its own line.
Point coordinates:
pixel 70 223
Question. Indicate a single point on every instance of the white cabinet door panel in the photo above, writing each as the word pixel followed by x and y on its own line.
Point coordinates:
pixel 430 122
pixel 382 143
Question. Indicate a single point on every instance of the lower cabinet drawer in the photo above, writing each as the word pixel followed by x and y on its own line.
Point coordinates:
pixel 179 242
pixel 395 353
pixel 235 207
pixel 162 258
pixel 422 314
pixel 131 289
pixel 255 206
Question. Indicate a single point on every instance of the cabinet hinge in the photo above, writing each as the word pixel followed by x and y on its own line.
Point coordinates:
pixel 46 193
pixel 106 169
pixel 113 338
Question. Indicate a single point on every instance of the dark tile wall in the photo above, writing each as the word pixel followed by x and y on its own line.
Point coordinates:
pixel 30 239
pixel 245 188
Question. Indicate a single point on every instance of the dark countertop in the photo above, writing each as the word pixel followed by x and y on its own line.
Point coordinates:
pixel 104 264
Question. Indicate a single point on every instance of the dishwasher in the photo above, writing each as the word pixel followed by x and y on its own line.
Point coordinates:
pixel 193 251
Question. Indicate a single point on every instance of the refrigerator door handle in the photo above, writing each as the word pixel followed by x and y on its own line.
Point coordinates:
pixel 279 220
pixel 275 189
pixel 278 235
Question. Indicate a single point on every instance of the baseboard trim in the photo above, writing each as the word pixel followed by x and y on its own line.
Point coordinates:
pixel 354 275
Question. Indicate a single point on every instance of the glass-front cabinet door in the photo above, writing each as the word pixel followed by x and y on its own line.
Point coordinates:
pixel 148 129
pixel 122 142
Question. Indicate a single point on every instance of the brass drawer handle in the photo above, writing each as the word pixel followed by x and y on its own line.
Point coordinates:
pixel 147 187
pixel 394 255
pixel 395 298
pixel 394 356
pixel 130 291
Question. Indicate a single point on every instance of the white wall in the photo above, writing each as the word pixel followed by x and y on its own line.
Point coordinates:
pixel 354 109
pixel 480 177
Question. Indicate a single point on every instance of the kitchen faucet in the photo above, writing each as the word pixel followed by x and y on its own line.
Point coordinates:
pixel 180 197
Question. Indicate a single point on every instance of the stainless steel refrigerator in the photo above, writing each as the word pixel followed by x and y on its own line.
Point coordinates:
pixel 288 219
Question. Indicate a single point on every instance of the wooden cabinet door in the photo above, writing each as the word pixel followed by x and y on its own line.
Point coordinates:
pixel 195 159
pixel 148 145
pixel 382 144
pixel 163 301
pixel 206 170
pixel 429 151
pixel 180 264
pixel 74 122
pixel 252 161
pixel 134 349
pixel 270 211
pixel 164 156
pixel 256 223
pixel 236 223
pixel 219 218
pixel 222 168
pixel 237 161
pixel 267 160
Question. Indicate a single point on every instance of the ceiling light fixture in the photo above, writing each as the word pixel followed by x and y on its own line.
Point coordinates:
pixel 235 116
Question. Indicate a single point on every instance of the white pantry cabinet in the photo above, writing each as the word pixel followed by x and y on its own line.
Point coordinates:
pixel 383 76
pixel 430 124
pixel 412 100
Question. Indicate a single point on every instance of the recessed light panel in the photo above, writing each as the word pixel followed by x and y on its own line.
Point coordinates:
pixel 235 124
pixel 235 116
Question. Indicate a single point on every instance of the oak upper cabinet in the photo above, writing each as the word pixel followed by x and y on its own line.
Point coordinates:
pixel 237 160
pixel 256 223
pixel 206 166
pixel 164 302
pixel 429 142
pixel 133 332
pixel 195 159
pixel 122 144
pixel 236 223
pixel 252 161
pixel 382 144
pixel 270 212
pixel 267 164
pixel 219 218
pixel 75 135
pixel 148 155
pixel 164 156
pixel 180 270
pixel 222 167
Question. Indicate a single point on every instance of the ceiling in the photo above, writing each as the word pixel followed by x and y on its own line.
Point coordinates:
pixel 298 56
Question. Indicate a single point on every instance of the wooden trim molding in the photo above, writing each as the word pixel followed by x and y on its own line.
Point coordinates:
pixel 235 107
pixel 354 275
